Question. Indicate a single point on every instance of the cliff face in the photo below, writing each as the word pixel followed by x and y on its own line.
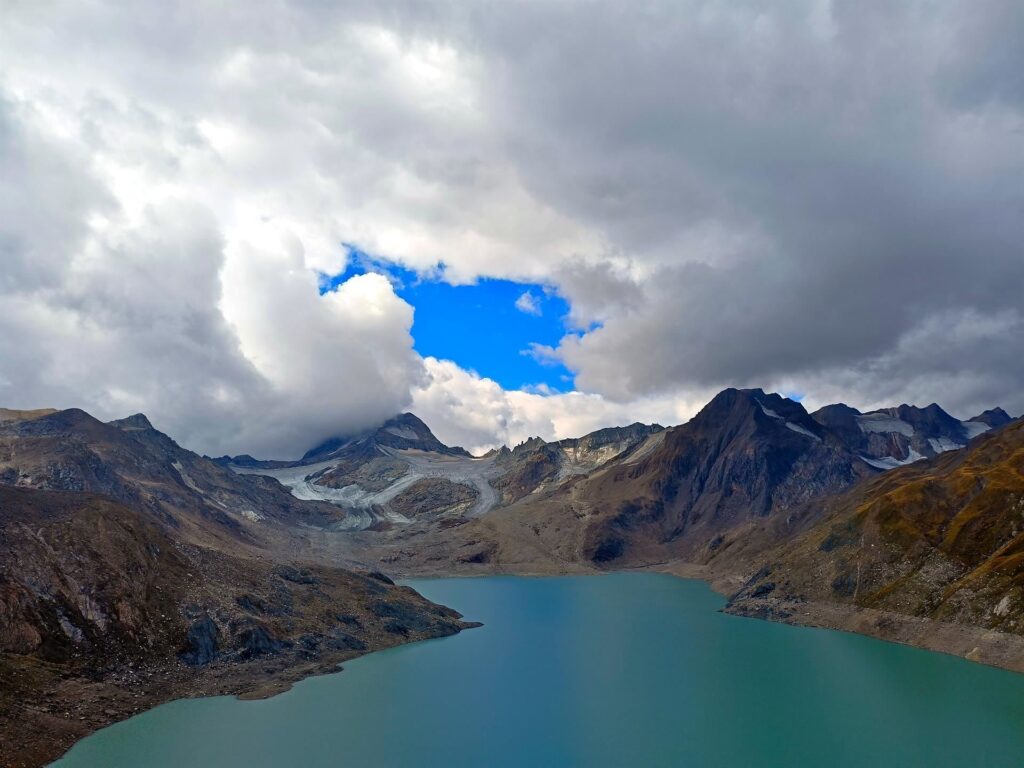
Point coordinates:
pixel 746 455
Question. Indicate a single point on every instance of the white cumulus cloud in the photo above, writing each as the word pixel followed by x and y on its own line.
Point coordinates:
pixel 528 304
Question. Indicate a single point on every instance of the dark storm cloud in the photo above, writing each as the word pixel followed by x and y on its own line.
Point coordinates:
pixel 800 190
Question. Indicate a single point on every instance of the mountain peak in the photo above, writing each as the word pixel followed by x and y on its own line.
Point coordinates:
pixel 408 425
pixel 741 401
pixel 994 417
pixel 402 431
pixel 135 422
pixel 836 416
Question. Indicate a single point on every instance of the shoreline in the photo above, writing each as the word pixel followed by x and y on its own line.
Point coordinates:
pixel 75 707
pixel 983 646
pixel 102 707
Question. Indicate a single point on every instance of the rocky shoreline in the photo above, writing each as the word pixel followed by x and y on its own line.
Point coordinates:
pixel 99 703
pixel 45 709
pixel 985 646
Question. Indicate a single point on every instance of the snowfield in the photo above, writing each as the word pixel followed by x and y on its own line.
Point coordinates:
pixel 975 428
pixel 880 422
pixel 358 502
pixel 890 462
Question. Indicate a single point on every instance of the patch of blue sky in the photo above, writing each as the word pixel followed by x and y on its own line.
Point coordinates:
pixel 490 326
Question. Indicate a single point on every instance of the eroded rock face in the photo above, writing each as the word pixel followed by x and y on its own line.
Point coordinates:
pixel 536 466
pixel 254 640
pixel 201 642
pixel 434 497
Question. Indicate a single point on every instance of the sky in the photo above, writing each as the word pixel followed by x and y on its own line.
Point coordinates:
pixel 264 224
pixel 491 326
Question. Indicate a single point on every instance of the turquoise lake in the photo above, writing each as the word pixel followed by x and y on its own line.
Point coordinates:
pixel 618 670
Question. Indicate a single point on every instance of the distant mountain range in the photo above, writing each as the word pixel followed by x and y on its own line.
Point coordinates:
pixel 893 437
pixel 400 471
pixel 129 565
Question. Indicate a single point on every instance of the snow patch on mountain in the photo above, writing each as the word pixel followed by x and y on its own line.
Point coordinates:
pixel 891 462
pixel 882 422
pixel 404 432
pixel 300 480
pixel 975 428
pixel 943 444
pixel 801 430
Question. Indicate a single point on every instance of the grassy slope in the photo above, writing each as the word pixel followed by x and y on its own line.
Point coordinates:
pixel 942 539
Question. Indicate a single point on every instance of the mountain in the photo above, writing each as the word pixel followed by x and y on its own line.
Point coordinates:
pixel 400 474
pixel 747 471
pixel 130 461
pixel 941 539
pixel 671 495
pixel 535 466
pixel 403 432
pixel 993 417
pixel 892 437
pixel 133 571
pixel 395 474
pixel 745 454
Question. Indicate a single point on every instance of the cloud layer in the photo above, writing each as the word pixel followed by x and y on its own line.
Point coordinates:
pixel 820 197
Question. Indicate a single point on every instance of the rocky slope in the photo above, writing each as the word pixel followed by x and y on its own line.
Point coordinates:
pixel 130 461
pixel 941 540
pixel 536 466
pixel 133 571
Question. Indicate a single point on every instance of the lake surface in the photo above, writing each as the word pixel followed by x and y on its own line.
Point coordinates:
pixel 618 670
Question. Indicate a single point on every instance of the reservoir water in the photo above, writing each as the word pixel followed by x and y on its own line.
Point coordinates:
pixel 618 670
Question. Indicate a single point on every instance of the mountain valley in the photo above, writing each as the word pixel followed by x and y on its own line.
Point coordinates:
pixel 134 571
